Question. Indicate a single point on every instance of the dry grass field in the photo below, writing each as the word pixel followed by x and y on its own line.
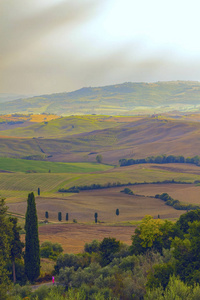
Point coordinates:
pixel 186 193
pixel 74 236
pixel 82 207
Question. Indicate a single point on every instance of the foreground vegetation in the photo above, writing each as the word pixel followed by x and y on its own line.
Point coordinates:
pixel 162 263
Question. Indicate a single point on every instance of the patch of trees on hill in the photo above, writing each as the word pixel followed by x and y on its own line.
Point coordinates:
pixel 176 203
pixel 161 159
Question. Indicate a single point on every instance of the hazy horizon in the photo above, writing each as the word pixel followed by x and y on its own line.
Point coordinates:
pixel 63 45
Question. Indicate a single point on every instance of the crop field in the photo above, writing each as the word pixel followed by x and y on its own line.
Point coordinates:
pixel 23 165
pixel 14 186
pixel 82 206
pixel 186 193
pixel 73 237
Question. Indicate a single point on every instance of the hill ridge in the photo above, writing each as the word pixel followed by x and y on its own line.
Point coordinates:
pixel 119 99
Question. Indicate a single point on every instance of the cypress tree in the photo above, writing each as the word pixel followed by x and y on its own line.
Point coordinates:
pixel 117 212
pixel 38 191
pixel 96 217
pixel 59 216
pixel 46 215
pixel 32 249
pixel 67 216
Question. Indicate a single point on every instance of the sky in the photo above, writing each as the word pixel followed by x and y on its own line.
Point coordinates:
pixel 51 46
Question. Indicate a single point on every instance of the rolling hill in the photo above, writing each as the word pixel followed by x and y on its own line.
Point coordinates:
pixel 140 138
pixel 121 99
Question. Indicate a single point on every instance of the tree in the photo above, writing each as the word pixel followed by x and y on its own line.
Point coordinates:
pixel 32 248
pixel 107 248
pixel 38 191
pixel 152 234
pixel 59 216
pixel 5 235
pixel 117 211
pixel 96 216
pixel 67 217
pixel 46 215
pixel 99 158
pixel 16 244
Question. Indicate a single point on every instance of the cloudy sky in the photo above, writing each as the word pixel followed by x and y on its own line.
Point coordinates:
pixel 51 46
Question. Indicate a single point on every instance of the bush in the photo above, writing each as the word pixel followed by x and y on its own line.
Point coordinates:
pixel 92 247
pixel 50 250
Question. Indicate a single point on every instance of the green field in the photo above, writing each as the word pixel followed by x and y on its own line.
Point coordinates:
pixel 15 186
pixel 62 127
pixel 22 165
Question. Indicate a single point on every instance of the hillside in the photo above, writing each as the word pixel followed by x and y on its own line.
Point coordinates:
pixel 139 139
pixel 120 99
pixel 61 127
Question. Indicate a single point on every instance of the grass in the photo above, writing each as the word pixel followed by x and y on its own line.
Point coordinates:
pixel 22 165
pixel 15 186
pixel 63 126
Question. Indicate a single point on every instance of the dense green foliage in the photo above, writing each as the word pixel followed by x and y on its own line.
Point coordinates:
pixel 161 159
pixel 162 263
pixel 10 250
pixel 50 250
pixel 127 191
pixel 32 248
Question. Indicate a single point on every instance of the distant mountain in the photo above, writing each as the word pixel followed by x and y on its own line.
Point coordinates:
pixel 4 97
pixel 121 99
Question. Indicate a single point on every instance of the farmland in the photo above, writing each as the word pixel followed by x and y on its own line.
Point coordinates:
pixel 15 187
pixel 22 165
pixel 61 153
pixel 80 139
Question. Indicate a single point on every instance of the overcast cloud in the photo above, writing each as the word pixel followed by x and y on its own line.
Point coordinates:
pixel 60 45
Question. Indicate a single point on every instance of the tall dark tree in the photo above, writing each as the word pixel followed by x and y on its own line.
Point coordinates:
pixel 32 248
pixel 96 217
pixel 59 216
pixel 67 216
pixel 117 211
pixel 46 214
pixel 38 191
pixel 16 244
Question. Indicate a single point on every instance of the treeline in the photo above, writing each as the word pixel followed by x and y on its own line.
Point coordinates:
pixel 161 159
pixel 97 186
pixel 176 203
